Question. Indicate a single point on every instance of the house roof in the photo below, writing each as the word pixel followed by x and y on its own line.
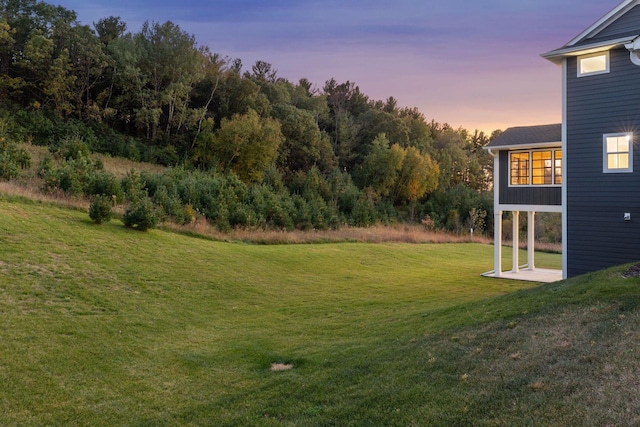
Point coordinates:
pixel 528 137
pixel 588 40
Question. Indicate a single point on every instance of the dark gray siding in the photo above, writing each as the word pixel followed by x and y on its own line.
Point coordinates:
pixel 625 25
pixel 525 195
pixel 597 235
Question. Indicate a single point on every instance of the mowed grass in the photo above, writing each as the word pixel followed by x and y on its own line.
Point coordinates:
pixel 102 325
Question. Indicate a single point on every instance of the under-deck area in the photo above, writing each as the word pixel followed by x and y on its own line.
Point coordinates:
pixel 527 271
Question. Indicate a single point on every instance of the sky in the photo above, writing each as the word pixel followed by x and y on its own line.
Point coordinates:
pixel 473 64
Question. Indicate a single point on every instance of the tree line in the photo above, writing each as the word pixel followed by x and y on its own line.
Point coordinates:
pixel 156 95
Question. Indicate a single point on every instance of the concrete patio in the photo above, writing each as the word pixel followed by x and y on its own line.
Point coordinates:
pixel 541 275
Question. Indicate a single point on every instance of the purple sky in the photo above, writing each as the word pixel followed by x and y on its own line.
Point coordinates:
pixel 470 63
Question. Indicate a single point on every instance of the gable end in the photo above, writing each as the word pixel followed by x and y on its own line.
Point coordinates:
pixel 619 27
pixel 627 24
pixel 605 22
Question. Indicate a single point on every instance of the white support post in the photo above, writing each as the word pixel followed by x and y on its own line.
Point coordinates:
pixel 516 242
pixel 497 244
pixel 531 227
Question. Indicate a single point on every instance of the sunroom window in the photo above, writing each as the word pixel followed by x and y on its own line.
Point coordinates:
pixel 519 168
pixel 535 167
pixel 557 173
pixel 541 168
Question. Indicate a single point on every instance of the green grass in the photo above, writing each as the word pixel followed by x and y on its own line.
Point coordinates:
pixel 103 325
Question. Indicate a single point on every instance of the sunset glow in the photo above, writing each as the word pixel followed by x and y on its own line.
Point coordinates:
pixel 469 64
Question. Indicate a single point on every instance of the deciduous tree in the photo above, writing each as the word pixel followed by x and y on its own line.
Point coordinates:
pixel 304 145
pixel 419 175
pixel 248 145
pixel 381 167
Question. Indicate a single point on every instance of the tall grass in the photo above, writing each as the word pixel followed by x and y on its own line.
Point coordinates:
pixel 375 234
pixel 116 165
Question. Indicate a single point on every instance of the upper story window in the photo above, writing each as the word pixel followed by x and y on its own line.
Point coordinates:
pixel 536 167
pixel 618 152
pixel 592 64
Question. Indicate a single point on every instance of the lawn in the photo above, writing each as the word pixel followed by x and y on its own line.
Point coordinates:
pixel 103 325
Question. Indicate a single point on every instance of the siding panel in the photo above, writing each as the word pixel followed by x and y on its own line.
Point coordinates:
pixel 597 235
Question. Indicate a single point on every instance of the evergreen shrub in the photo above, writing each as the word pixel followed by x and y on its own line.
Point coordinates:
pixel 141 215
pixel 100 209
pixel 102 182
pixel 12 158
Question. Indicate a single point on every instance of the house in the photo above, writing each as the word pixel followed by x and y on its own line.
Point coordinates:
pixel 598 165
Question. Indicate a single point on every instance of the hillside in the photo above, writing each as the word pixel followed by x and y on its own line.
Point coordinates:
pixel 103 325
pixel 284 155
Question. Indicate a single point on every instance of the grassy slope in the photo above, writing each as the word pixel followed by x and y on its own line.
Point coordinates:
pixel 108 326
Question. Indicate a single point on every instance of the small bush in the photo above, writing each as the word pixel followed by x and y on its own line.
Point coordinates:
pixel 22 158
pixel 189 214
pixel 71 148
pixel 46 166
pixel 141 215
pixel 8 167
pixel 73 176
pixel 103 182
pixel 364 213
pixel 133 186
pixel 12 158
pixel 100 209
pixel 169 203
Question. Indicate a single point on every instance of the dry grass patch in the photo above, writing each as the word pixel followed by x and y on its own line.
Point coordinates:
pixel 537 386
pixel 377 234
pixel 30 190
pixel 278 367
pixel 120 166
pixel 116 165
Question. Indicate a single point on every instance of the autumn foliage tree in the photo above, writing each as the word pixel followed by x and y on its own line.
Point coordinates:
pixel 247 144
pixel 418 175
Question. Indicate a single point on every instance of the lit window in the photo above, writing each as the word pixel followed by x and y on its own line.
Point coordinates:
pixel 536 167
pixel 541 168
pixel 557 173
pixel 618 152
pixel 597 63
pixel 519 168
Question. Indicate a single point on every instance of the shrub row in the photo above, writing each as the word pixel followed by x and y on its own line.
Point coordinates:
pixel 227 202
pixel 311 201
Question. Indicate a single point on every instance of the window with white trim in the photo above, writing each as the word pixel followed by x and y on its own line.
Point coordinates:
pixel 593 64
pixel 617 152
pixel 535 167
pixel 519 168
pixel 557 173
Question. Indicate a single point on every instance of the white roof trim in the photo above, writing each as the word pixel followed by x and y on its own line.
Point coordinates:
pixel 532 145
pixel 604 22
pixel 557 55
